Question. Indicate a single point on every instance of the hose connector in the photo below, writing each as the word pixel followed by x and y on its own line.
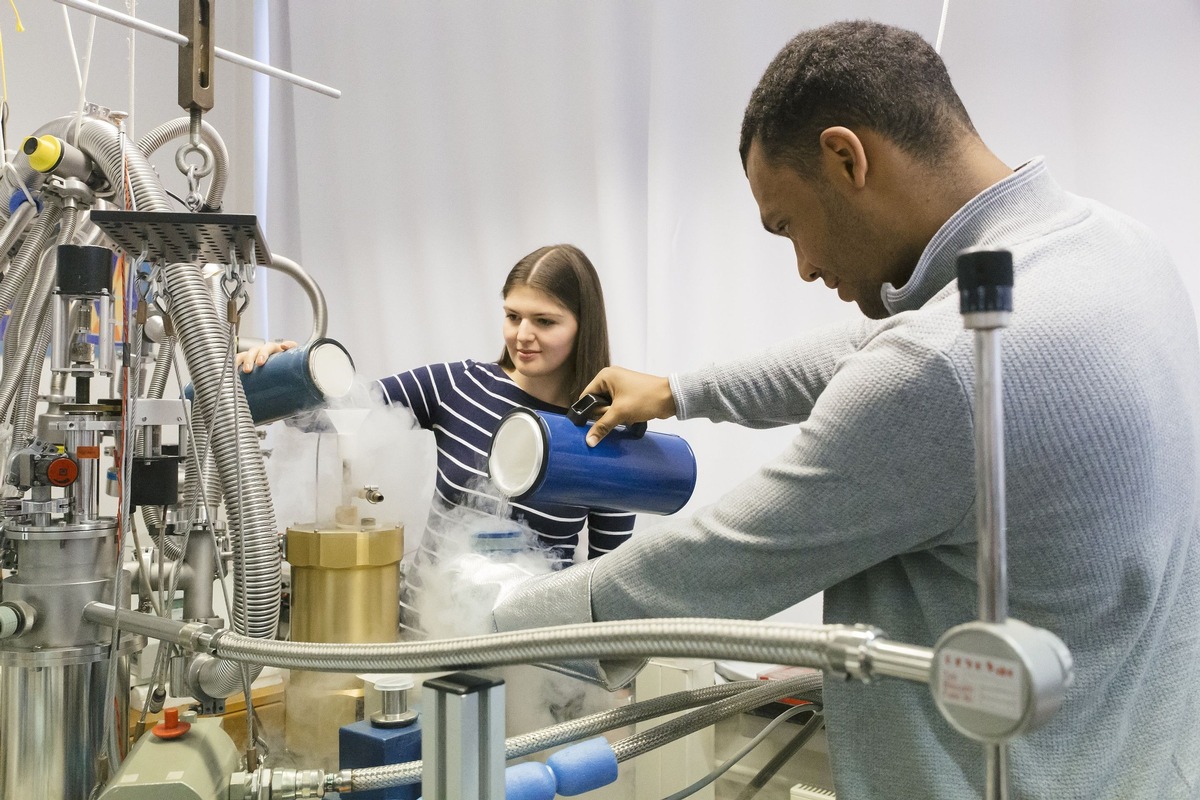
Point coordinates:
pixel 339 782
pixel 277 784
pixel 850 651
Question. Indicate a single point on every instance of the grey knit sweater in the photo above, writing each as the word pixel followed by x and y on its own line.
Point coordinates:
pixel 874 503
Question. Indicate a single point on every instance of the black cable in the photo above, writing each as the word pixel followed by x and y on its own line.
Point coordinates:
pixel 784 755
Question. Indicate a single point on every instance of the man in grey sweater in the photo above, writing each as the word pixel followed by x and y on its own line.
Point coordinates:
pixel 859 151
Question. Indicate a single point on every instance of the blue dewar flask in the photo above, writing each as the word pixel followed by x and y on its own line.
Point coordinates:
pixel 545 456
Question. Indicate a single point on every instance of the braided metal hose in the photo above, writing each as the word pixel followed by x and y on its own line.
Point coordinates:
pixel 27 257
pixel 560 734
pixel 610 719
pixel 806 686
pixel 821 646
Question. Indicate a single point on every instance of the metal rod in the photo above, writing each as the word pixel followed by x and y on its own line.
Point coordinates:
pixel 989 478
pixel 997 771
pixel 181 40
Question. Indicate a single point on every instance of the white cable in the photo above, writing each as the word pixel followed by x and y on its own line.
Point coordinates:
pixel 83 79
pixel 71 43
pixel 942 27
pixel 753 743
pixel 131 7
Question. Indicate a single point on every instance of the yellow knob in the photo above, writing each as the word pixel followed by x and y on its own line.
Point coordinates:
pixel 44 152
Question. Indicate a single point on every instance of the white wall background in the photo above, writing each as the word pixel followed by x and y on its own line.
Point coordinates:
pixel 470 133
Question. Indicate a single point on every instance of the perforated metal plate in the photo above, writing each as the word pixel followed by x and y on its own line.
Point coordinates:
pixel 172 237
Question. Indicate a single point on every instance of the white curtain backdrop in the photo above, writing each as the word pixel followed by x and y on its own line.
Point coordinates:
pixel 469 133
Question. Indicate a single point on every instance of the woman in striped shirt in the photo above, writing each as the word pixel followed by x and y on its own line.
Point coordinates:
pixel 555 341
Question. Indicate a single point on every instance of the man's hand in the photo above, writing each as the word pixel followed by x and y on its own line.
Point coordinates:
pixel 257 356
pixel 636 397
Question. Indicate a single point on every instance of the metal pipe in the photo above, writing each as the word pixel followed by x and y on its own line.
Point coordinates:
pixel 181 40
pixel 315 296
pixel 992 564
pixel 898 660
pixel 191 635
pixel 201 561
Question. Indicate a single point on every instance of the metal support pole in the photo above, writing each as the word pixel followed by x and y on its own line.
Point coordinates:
pixel 463 739
pixel 985 279
pixel 992 567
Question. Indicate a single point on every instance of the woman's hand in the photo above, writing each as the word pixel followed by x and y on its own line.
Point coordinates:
pixel 636 397
pixel 257 356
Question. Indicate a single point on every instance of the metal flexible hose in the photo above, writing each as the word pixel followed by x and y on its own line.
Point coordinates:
pixel 30 253
pixel 101 142
pixel 14 229
pixel 17 329
pixel 203 483
pixel 157 386
pixel 203 341
pixel 25 407
pixel 800 645
pixel 807 687
pixel 564 732
pixel 22 177
pixel 203 480
pixel 23 305
pixel 23 263
pixel 176 128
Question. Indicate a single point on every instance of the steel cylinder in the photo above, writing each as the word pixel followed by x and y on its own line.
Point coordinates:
pixel 52 720
pixel 53 676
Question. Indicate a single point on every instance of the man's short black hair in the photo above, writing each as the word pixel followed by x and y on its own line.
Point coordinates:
pixel 858 74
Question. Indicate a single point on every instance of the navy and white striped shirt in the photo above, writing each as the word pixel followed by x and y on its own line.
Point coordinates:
pixel 462 403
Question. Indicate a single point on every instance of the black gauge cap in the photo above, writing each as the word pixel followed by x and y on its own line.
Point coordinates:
pixel 985 280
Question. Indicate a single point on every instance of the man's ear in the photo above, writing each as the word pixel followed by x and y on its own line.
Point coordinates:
pixel 843 156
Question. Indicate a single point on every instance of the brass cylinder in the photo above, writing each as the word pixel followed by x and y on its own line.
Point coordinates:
pixel 345 588
pixel 345 584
